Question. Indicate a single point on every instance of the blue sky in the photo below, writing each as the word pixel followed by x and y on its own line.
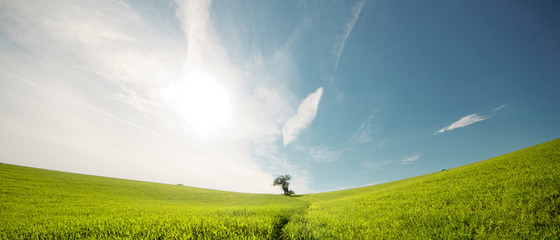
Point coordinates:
pixel 229 94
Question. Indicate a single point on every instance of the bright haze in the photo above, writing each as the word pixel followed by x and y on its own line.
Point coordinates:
pixel 230 94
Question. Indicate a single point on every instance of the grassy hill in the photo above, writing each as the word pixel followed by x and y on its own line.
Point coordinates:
pixel 43 204
pixel 514 196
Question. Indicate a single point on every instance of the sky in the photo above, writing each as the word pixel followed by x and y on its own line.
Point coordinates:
pixel 230 94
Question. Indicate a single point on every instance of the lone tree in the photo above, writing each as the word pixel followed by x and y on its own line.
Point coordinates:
pixel 284 182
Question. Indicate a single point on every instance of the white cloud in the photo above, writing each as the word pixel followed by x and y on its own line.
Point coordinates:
pixel 132 98
pixel 101 102
pixel 363 134
pixel 410 159
pixel 376 165
pixel 193 16
pixel 324 154
pixel 341 39
pixel 463 122
pixel 306 112
pixel 499 108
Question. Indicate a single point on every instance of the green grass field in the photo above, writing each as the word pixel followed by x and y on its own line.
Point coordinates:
pixel 514 196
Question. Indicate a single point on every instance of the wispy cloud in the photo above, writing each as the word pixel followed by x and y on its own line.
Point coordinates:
pixel 470 119
pixel 410 159
pixel 341 39
pixel 499 108
pixel 325 154
pixel 111 66
pixel 463 122
pixel 306 112
pixel 86 106
pixel 376 165
pixel 133 99
pixel 365 132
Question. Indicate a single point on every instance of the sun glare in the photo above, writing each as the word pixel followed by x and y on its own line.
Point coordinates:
pixel 202 102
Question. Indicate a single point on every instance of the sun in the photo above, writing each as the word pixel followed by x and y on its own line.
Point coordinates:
pixel 202 102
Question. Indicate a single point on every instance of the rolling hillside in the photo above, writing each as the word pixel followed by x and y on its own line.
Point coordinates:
pixel 43 204
pixel 514 196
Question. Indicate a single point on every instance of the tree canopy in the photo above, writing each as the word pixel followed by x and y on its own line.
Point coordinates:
pixel 284 182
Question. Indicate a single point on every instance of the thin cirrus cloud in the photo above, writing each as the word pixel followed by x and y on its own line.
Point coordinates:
pixel 341 39
pixel 469 119
pixel 113 68
pixel 410 159
pixel 365 132
pixel 500 108
pixel 463 122
pixel 306 112
pixel 325 154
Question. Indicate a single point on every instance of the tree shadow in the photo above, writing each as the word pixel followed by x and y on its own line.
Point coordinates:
pixel 297 195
